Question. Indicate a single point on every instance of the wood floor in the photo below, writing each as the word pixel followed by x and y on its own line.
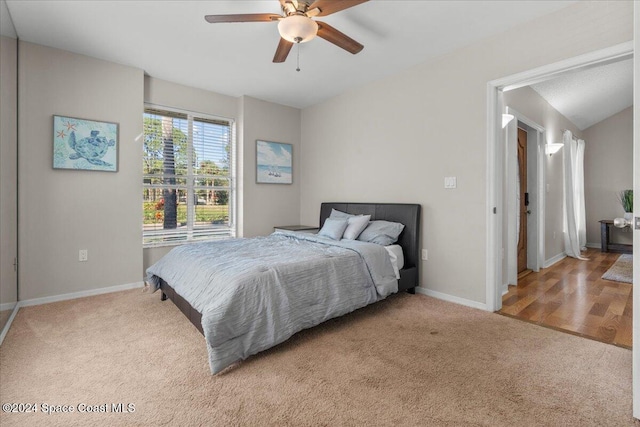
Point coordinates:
pixel 571 296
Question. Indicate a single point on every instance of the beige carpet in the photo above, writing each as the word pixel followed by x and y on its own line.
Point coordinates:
pixel 410 360
pixel 621 270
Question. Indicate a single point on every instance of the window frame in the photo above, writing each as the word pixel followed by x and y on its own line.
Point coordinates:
pixel 191 179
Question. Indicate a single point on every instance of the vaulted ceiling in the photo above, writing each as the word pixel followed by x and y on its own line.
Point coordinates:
pixel 589 96
pixel 172 41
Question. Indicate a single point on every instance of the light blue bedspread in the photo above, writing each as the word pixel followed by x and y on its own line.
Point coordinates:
pixel 256 293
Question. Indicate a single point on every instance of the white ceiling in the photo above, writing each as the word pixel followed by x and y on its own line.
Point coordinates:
pixel 587 97
pixel 171 40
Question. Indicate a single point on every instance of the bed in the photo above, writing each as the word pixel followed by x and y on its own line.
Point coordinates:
pixel 278 285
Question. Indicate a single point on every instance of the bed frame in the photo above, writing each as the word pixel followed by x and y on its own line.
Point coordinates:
pixel 409 240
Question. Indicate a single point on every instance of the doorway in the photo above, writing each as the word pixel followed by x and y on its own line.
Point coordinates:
pixel 496 202
pixel 571 296
pixel 523 203
pixel 496 194
pixel 523 236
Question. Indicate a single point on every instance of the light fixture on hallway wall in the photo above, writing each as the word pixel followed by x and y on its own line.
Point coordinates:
pixel 506 118
pixel 553 147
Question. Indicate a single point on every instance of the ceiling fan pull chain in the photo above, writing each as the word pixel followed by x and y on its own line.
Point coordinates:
pixel 298 69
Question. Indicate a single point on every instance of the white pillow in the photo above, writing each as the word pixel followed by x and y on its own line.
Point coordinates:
pixel 356 224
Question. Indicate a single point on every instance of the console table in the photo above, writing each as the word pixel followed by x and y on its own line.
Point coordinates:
pixel 605 239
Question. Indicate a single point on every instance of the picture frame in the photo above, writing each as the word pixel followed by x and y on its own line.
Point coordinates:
pixel 274 162
pixel 82 144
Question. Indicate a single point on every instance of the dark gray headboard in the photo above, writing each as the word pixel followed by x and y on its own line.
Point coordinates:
pixel 407 214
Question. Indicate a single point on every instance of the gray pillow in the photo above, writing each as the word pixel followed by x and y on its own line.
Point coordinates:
pixel 339 214
pixel 333 228
pixel 382 232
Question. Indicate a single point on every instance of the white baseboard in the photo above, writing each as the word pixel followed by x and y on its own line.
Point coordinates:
pixel 594 245
pixel 7 325
pixel 451 298
pixel 8 306
pixel 64 297
pixel 81 294
pixel 548 263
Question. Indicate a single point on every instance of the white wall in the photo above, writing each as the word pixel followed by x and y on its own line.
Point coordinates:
pixel 394 140
pixel 608 159
pixel 8 170
pixel 62 211
pixel 530 104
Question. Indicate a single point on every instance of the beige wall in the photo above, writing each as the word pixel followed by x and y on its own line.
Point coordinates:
pixel 172 95
pixel 260 206
pixel 8 171
pixel 527 102
pixel 608 159
pixel 394 140
pixel 62 211
pixel 267 205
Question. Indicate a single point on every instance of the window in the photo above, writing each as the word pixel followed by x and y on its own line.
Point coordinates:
pixel 188 178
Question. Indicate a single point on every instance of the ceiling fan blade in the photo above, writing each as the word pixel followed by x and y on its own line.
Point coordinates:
pixel 327 7
pixel 342 40
pixel 248 17
pixel 282 51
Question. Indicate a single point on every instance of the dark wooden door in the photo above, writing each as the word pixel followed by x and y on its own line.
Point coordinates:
pixel 522 168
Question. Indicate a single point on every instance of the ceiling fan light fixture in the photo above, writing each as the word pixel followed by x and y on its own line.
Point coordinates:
pixel 297 28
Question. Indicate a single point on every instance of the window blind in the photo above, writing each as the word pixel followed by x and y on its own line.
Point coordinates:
pixel 188 182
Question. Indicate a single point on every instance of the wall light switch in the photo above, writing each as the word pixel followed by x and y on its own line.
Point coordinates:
pixel 82 255
pixel 425 255
pixel 450 182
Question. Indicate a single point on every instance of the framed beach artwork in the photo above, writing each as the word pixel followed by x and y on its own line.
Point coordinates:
pixel 82 144
pixel 274 163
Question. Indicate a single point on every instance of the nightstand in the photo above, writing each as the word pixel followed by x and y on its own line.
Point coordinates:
pixel 298 228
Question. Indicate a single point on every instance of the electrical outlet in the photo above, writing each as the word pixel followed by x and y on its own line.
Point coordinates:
pixel 83 255
pixel 450 182
pixel 425 255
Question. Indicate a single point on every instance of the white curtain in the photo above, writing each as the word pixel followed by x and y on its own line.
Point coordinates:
pixel 575 237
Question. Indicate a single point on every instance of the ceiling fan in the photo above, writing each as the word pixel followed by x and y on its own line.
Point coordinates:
pixel 297 26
